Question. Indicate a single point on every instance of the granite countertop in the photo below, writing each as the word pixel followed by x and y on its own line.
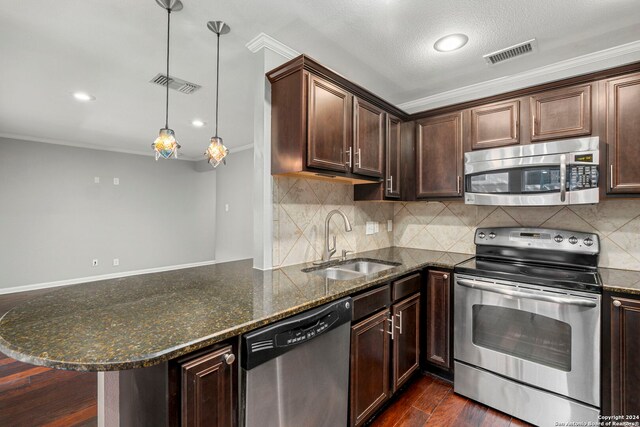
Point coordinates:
pixel 140 321
pixel 622 281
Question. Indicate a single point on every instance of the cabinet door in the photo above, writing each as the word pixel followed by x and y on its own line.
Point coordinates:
pixel 625 347
pixel 369 366
pixel 495 125
pixel 329 126
pixel 368 139
pixel 392 184
pixel 439 156
pixel 561 113
pixel 406 342
pixel 438 319
pixel 623 128
pixel 208 390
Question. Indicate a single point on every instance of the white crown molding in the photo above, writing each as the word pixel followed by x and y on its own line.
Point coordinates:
pixel 88 146
pixel 262 41
pixel 241 148
pixel 607 58
pixel 76 281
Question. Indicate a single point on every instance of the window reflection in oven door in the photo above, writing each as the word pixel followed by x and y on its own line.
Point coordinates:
pixel 535 335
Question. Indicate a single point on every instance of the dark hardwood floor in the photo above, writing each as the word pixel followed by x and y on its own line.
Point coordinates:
pixel 430 401
pixel 36 396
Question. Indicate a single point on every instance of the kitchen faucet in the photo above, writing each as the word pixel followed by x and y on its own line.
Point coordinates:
pixel 328 251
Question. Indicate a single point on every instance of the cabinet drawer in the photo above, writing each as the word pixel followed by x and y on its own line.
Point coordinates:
pixel 406 286
pixel 371 301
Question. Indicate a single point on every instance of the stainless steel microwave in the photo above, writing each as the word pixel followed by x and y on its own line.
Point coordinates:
pixel 542 174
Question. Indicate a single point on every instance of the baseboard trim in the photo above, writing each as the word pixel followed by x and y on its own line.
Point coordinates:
pixel 67 282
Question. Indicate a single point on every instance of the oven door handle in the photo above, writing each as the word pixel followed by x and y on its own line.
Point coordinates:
pixel 500 290
pixel 563 177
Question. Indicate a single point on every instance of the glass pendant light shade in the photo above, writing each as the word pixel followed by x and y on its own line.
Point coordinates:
pixel 165 144
pixel 216 152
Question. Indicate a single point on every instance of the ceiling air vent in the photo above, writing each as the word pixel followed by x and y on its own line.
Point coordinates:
pixel 510 52
pixel 175 84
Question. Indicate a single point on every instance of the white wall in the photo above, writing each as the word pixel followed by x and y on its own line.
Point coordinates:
pixel 234 228
pixel 54 220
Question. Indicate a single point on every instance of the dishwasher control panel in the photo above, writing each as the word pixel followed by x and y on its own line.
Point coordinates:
pixel 298 335
pixel 271 341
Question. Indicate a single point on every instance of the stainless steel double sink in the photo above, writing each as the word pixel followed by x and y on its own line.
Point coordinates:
pixel 353 269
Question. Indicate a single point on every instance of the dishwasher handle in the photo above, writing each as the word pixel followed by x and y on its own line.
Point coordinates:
pixel 276 339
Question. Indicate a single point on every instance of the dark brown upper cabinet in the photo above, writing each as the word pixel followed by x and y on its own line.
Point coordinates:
pixel 561 113
pixel 368 139
pixel 439 156
pixel 329 126
pixel 621 372
pixel 324 126
pixel 439 333
pixel 495 125
pixel 392 176
pixel 623 134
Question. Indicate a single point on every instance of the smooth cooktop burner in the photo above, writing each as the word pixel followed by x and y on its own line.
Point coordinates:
pixel 545 275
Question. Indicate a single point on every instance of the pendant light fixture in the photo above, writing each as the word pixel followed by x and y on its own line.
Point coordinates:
pixel 166 145
pixel 216 152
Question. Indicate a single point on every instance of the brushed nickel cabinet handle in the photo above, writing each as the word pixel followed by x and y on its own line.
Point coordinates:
pixel 229 358
pixel 390 187
pixel 458 183
pixel 616 303
pixel 349 161
pixel 400 321
pixel 391 332
pixel 611 176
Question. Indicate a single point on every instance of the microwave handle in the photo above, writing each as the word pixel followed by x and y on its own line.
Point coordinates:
pixel 563 177
pixel 500 290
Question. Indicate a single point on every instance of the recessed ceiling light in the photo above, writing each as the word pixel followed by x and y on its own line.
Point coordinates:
pixel 83 96
pixel 198 123
pixel 450 42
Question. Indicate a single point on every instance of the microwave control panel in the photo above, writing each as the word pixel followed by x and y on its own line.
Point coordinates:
pixel 582 177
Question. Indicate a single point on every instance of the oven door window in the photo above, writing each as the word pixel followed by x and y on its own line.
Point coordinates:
pixel 523 334
pixel 541 180
pixel 489 183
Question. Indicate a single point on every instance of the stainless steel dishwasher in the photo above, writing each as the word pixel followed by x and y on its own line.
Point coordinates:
pixel 296 371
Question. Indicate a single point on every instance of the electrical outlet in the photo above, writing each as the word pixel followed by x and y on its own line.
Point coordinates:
pixel 226 207
pixel 95 263
pixel 116 262
pixel 116 181
pixel 389 225
pixel 376 227
pixel 372 227
pixel 96 180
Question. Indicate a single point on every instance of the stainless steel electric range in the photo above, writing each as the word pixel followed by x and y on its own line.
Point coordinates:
pixel 527 324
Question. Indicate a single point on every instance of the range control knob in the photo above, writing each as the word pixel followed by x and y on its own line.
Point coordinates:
pixel 481 235
pixel 492 235
pixel 588 241
pixel 558 238
pixel 573 240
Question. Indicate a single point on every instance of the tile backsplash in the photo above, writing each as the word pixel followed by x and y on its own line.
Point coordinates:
pixel 451 226
pixel 300 207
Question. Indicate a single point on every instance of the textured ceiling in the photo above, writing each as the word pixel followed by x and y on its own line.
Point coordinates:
pixel 111 50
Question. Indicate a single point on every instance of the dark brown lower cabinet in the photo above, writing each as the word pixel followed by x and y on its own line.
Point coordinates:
pixel 208 390
pixel 438 320
pixel 406 341
pixel 369 366
pixel 621 344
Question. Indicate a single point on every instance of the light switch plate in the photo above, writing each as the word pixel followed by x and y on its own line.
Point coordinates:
pixel 389 225
pixel 369 228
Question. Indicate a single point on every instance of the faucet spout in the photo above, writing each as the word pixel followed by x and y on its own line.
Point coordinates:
pixel 328 250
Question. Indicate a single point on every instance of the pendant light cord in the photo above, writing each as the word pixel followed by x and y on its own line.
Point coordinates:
pixel 166 117
pixel 217 78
